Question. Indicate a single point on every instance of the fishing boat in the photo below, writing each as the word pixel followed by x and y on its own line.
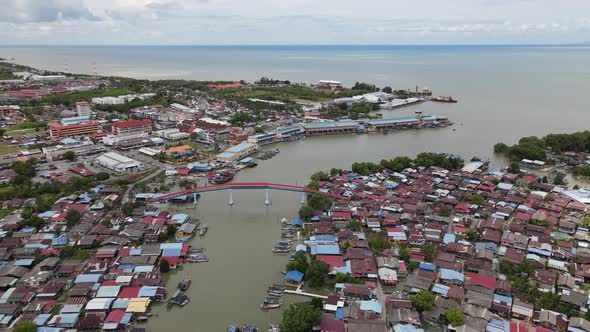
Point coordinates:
pixel 179 298
pixel 271 303
pixel 233 328
pixel 274 327
pixel 275 291
pixel 281 250
pixel 197 259
pixel 196 250
pixel 444 99
pixel 203 230
pixel 249 328
pixel 184 284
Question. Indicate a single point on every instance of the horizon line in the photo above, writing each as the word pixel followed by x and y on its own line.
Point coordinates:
pixel 295 44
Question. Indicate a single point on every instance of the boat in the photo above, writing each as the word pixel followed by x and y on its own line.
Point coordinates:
pixel 271 303
pixel 179 298
pixel 197 259
pixel 203 230
pixel 196 250
pixel 220 177
pixel 275 291
pixel 233 328
pixel 444 99
pixel 249 328
pixel 274 327
pixel 251 164
pixel 283 250
pixel 184 284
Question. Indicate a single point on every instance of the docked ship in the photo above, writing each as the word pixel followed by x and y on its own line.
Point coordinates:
pixel 444 99
pixel 220 177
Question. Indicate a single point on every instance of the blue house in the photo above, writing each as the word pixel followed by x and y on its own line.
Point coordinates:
pixel 294 277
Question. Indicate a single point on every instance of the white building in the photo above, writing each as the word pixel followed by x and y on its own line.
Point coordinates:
pixel 172 134
pixel 83 109
pixel 119 163
pixel 114 139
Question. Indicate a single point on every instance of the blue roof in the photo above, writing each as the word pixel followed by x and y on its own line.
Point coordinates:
pixel 147 291
pixel 294 276
pixel 329 249
pixel 46 214
pixel 406 328
pixel 297 222
pixel 447 274
pixel 180 217
pixel 143 268
pixel 502 298
pixel 41 319
pixel 449 238
pixel 301 247
pixel 82 278
pixel 246 160
pixel 61 240
pixel 171 252
pixel 226 155
pixel 135 252
pixel 324 238
pixel 121 303
pixel 239 148
pixel 490 246
pixel 48 329
pixel 374 306
pixel 427 266
pixel 339 314
pixel 164 246
pixel 24 262
pixel 440 289
pixel 496 325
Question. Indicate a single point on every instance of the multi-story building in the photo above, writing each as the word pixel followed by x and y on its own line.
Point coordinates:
pixel 132 127
pixel 83 109
pixel 78 129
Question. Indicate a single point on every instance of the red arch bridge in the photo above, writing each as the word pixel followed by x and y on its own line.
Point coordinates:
pixel 267 186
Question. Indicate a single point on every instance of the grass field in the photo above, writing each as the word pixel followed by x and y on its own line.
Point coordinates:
pixel 6 148
pixel 19 132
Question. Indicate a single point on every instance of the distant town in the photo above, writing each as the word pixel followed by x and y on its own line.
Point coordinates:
pixel 93 168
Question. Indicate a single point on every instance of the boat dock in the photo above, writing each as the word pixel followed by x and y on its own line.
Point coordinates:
pixel 298 291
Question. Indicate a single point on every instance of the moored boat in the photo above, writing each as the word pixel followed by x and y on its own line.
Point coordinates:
pixel 249 328
pixel 444 99
pixel 233 328
pixel 197 259
pixel 271 303
pixel 184 284
pixel 204 230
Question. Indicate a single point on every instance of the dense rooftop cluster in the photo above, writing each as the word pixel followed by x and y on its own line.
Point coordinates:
pixel 478 250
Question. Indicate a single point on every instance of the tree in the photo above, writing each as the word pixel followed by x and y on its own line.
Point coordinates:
pixel 387 89
pixel 102 176
pixel 455 317
pixel 514 168
pixel 300 318
pixel 429 252
pixel 26 169
pixel 299 263
pixel 501 148
pixel 319 202
pixel 25 326
pixel 73 217
pixel 354 226
pixel 378 244
pixel 127 209
pixel 317 303
pixel 334 171
pixel 164 266
pixel 477 200
pixel 317 273
pixel 69 155
pixel 404 254
pixel 424 300
pixel 559 179
pixel 305 212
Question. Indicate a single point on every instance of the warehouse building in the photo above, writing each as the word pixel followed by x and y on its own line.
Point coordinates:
pixel 238 152
pixel 118 163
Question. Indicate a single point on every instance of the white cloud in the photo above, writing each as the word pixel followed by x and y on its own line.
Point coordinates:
pixel 293 21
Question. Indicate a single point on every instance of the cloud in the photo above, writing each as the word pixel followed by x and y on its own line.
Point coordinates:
pixel 33 11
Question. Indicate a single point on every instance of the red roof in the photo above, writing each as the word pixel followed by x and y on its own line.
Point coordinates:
pixel 480 280
pixel 133 123
pixel 332 260
pixel 115 316
pixel 129 292
pixel 331 325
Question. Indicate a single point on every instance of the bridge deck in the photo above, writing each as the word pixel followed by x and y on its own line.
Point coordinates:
pixel 243 186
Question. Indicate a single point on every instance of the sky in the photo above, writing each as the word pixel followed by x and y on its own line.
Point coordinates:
pixel 223 22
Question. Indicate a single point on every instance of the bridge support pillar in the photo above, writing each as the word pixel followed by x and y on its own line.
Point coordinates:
pixel 231 198
pixel 194 198
pixel 267 197
pixel 303 198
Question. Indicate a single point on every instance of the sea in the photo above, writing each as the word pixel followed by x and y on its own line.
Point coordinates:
pixel 504 93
